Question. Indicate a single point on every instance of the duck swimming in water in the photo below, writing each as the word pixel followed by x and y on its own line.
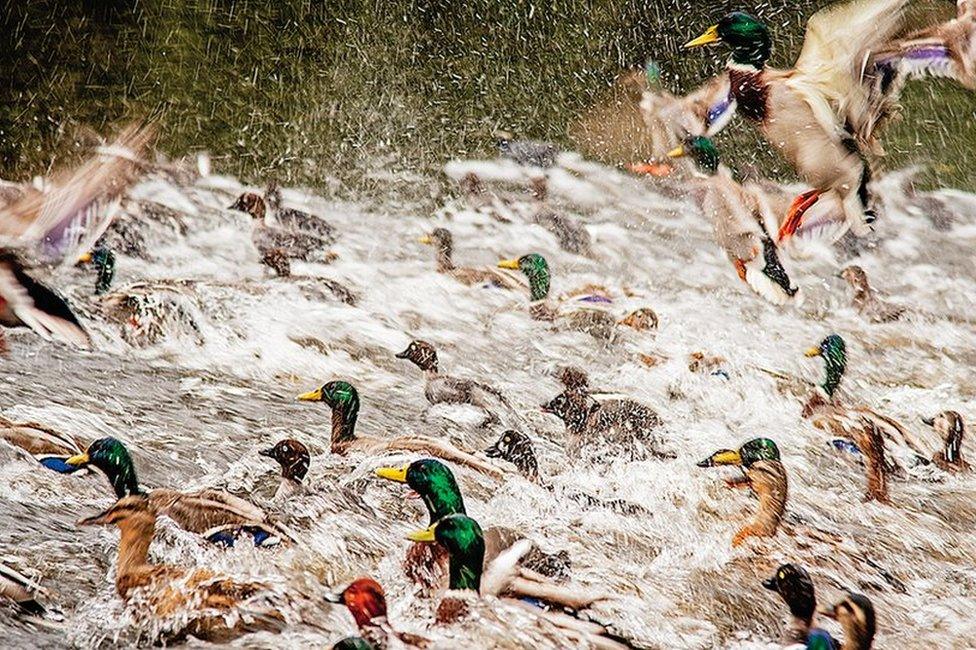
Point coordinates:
pixel 366 601
pixel 49 446
pixel 951 428
pixel 343 399
pixel 219 609
pixel 866 301
pixel 296 221
pixel 855 613
pixel 762 472
pixel 294 459
pixel 217 515
pixel 443 243
pixel 793 584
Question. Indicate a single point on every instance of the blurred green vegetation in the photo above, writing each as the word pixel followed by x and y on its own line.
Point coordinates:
pixel 379 94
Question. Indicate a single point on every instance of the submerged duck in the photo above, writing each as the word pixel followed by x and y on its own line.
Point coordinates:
pixel 25 302
pixel 218 607
pixel 443 243
pixel 103 259
pixel 739 215
pixel 951 428
pixel 793 584
pixel 855 613
pixel 294 459
pixel 215 514
pixel 49 446
pixel 343 399
pixel 21 590
pixel 819 114
pixel 445 389
pixel 296 221
pixel 866 302
pixel 763 472
pixel 366 601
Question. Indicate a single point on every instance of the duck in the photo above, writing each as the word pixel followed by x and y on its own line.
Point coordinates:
pixel 22 591
pixel 294 220
pixel 343 399
pixel 353 643
pixel 570 233
pixel 793 584
pixel 366 601
pixel 764 474
pixel 856 616
pixel 436 486
pixel 866 301
pixel 278 246
pixel 103 259
pixel 25 302
pixel 739 215
pixel 217 515
pixel 219 608
pixel 443 242
pixel 50 447
pixel 446 389
pixel 951 428
pixel 528 153
pixel 819 115
pixel 464 541
pixel 294 459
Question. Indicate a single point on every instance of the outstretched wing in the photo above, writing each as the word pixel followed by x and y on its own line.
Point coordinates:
pixel 25 301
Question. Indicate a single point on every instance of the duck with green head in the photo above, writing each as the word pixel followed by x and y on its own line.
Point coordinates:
pixel 739 215
pixel 818 115
pixel 343 399
pixel 218 515
pixel 103 259
pixel 763 472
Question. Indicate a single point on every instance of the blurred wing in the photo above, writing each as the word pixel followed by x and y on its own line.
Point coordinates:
pixel 32 304
pixel 711 106
pixel 498 575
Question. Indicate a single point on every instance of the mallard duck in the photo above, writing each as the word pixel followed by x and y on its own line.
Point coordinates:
pixel 445 389
pixel 739 215
pixel 25 302
pixel 343 399
pixel 951 428
pixel 103 259
pixel 353 643
pixel 819 114
pixel 217 515
pixel 296 221
pixel 465 543
pixel 855 613
pixel 21 590
pixel 443 243
pixel 763 472
pixel 366 601
pixel 793 584
pixel 50 447
pixel 294 460
pixel 531 153
pixel 866 302
pixel 219 608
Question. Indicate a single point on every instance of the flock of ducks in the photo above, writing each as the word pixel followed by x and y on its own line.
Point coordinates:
pixel 823 115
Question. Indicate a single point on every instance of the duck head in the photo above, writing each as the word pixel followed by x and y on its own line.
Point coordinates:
pixel 433 481
pixel 856 277
pixel 700 149
pixel 536 269
pixel 443 242
pixel 462 537
pixel 516 448
pixel 103 259
pixel 642 319
pixel 951 428
pixel 746 35
pixel 793 583
pixel 293 457
pixel 251 203
pixel 833 350
pixel 343 399
pixel 422 354
pixel 353 643
pixel 272 196
pixel 855 613
pixel 652 72
pixel 751 452
pixel 574 378
pixel 365 600
pixel 112 457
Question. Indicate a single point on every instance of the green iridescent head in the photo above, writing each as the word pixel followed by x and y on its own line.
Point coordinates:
pixel 462 537
pixel 652 70
pixel 747 36
pixel 111 456
pixel 433 481
pixel 343 399
pixel 536 269
pixel 102 257
pixel 751 452
pixel 702 150
pixel 833 350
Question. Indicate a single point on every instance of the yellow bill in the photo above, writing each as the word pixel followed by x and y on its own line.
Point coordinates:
pixel 710 36
pixel 812 352
pixel 677 152
pixel 311 396
pixel 78 461
pixel 426 535
pixel 426 240
pixel 85 258
pixel 726 457
pixel 398 474
pixel 508 264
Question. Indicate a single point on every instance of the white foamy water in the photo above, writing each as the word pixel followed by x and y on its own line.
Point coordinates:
pixel 197 402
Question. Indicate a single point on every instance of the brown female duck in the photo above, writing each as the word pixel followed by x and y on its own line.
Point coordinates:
pixel 951 428
pixel 443 242
pixel 866 301
pixel 294 459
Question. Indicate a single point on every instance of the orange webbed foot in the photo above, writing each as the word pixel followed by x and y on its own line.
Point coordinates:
pixel 794 216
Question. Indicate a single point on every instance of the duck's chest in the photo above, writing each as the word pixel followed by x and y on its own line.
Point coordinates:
pixel 749 89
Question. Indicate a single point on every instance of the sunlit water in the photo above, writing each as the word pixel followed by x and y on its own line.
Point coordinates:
pixel 197 405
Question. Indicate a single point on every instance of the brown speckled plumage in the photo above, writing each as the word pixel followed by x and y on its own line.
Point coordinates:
pixel 865 301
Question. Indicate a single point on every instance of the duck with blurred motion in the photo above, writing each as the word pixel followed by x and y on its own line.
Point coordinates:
pixel 443 243
pixel 951 429
pixel 740 215
pixel 103 259
pixel 209 606
pixel 445 389
pixel 293 457
pixel 793 584
pixel 366 601
pixel 50 447
pixel 217 515
pixel 855 613
pixel 343 399
pixel 866 301
pixel 820 115
pixel 296 221
pixel 765 475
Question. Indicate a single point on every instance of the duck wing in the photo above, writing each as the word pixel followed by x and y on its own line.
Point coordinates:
pixel 20 589
pixel 204 510
pixel 26 302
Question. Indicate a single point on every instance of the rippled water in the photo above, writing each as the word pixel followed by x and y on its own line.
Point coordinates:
pixel 196 406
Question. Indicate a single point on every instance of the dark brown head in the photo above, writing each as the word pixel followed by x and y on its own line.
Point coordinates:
pixel 517 449
pixel 539 188
pixel 292 456
pixel 793 583
pixel 573 378
pixel 951 428
pixel 364 599
pixel 422 354
pixel 252 204
pixel 471 185
pixel 855 613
